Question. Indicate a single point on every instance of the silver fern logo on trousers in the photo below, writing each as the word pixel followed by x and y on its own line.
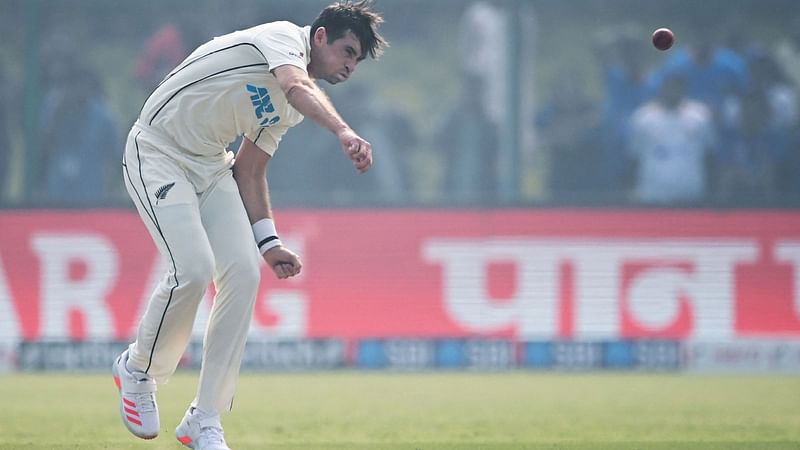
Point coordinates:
pixel 161 193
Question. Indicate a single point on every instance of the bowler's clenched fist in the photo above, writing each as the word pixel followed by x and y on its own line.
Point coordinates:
pixel 284 262
pixel 357 149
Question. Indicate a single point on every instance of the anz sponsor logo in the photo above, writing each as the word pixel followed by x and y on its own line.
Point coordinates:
pixel 263 105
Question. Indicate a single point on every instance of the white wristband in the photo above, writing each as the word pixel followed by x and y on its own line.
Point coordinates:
pixel 266 235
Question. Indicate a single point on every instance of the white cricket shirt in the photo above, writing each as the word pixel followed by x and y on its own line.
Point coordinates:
pixel 225 89
pixel 671 147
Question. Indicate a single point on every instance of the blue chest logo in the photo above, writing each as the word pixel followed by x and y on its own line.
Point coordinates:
pixel 263 105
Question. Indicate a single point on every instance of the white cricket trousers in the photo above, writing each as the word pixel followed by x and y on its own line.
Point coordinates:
pixel 204 235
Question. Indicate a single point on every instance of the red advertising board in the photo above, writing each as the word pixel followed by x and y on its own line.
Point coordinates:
pixel 521 274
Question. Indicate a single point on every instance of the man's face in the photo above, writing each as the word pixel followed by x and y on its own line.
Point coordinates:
pixel 334 62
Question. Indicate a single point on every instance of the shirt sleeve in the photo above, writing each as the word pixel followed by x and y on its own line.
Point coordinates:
pixel 282 45
pixel 267 139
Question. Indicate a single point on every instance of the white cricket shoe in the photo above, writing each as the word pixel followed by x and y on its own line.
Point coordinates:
pixel 137 399
pixel 200 431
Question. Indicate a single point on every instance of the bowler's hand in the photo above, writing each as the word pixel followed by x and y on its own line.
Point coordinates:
pixel 284 262
pixel 357 149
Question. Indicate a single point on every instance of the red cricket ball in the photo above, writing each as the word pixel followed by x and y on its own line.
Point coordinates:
pixel 663 38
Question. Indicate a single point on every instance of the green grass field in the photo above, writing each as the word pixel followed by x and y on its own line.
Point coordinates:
pixel 353 410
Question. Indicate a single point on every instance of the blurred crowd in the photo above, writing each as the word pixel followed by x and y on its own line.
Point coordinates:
pixel 714 122
pixel 711 122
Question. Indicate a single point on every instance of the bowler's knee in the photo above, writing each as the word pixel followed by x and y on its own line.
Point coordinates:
pixel 247 273
pixel 197 273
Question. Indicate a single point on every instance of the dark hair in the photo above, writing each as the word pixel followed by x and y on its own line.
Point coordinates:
pixel 357 17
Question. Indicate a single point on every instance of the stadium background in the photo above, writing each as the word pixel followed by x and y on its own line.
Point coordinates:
pixel 506 228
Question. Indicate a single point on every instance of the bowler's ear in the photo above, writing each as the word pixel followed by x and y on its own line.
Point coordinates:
pixel 321 36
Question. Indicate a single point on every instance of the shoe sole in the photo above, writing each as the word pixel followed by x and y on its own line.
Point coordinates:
pixel 122 412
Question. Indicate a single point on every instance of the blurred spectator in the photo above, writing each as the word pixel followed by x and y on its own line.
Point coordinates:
pixel 627 81
pixel 162 51
pixel 391 134
pixel 570 128
pixel 313 155
pixel 787 52
pixel 759 129
pixel 170 44
pixel 483 34
pixel 78 139
pixel 671 142
pixel 712 73
pixel 496 46
pixel 469 139
pixel 627 87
